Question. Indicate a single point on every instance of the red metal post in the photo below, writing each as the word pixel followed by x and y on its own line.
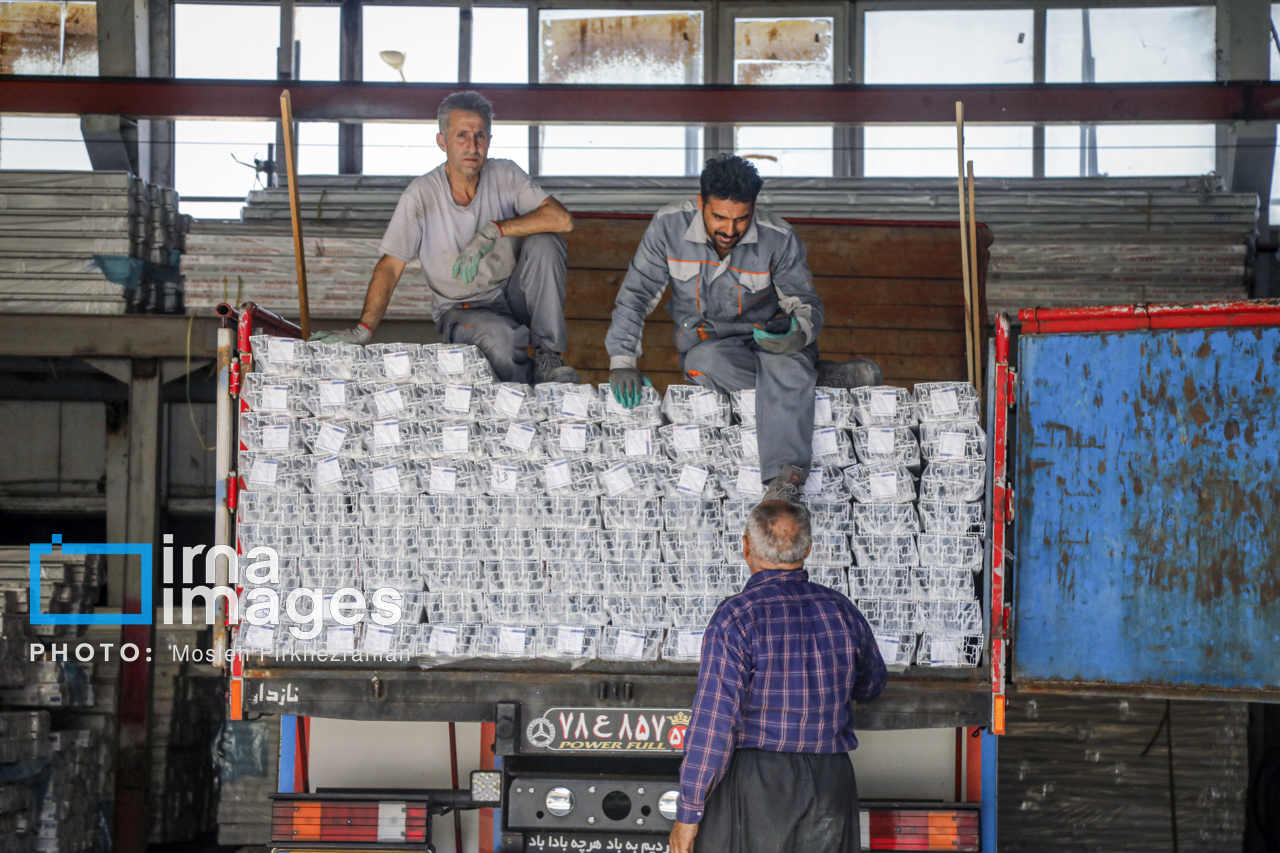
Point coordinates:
pixel 1001 499
pixel 1119 318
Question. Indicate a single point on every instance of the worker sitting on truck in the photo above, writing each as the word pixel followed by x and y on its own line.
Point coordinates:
pixel 488 240
pixel 745 310
pixel 766 755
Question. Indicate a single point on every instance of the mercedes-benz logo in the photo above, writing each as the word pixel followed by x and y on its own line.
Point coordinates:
pixel 541 732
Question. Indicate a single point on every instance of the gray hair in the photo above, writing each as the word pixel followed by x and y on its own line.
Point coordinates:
pixel 467 102
pixel 780 545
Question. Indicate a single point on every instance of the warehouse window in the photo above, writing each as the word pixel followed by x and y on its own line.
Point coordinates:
pixel 42 142
pixel 785 52
pixel 1130 150
pixel 924 152
pixel 620 48
pixel 317 37
pixel 500 54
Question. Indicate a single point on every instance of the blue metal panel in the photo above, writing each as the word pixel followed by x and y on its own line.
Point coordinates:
pixel 1148 525
pixel 288 753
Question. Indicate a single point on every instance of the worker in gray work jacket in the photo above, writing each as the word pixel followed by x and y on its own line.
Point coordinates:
pixel 488 240
pixel 745 310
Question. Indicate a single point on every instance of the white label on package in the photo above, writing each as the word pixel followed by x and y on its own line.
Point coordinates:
pixel 888 647
pixel 639 442
pixel 884 484
pixel 328 471
pixel 951 445
pixel 825 443
pixel 944 402
pixel 280 350
pixel 687 439
pixel 558 475
pixel 456 439
pixel 573 438
pixel 386 479
pixel 884 402
pixel 451 361
pixel 275 437
pixel 569 640
pixel 263 473
pixel 378 639
pixel 520 437
pixel 750 447
pixel 340 638
pixel 443 480
pixel 457 398
pixel 630 645
pixel 688 644
pixel 822 409
pixel 617 480
pixel 747 403
pixel 275 398
pixel 692 479
pixel 396 364
pixel 260 637
pixel 749 481
pixel 704 404
pixel 388 402
pixel 504 478
pixel 333 392
pixel 511 640
pixel 943 651
pixel 329 439
pixel 443 641
pixel 507 401
pixel 575 405
pixel 813 485
pixel 880 441
pixel 386 434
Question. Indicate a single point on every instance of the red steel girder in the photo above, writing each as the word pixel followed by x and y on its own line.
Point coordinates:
pixel 324 101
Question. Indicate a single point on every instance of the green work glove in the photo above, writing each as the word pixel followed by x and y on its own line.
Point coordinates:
pixel 468 263
pixel 791 340
pixel 359 335
pixel 628 386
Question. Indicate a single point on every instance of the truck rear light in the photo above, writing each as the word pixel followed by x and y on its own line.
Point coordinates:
pixel 920 829
pixel 486 786
pixel 338 821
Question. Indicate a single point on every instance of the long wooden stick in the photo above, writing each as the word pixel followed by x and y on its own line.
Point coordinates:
pixel 964 246
pixel 978 319
pixel 295 212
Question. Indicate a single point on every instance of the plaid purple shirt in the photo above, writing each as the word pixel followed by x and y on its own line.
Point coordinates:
pixel 781 662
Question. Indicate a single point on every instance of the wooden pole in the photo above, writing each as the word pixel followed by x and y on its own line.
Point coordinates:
pixel 974 300
pixel 295 212
pixel 964 246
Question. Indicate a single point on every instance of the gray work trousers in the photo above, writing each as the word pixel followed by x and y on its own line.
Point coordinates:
pixel 784 393
pixel 528 310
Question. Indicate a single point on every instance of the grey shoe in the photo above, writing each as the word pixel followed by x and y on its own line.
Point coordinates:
pixel 854 373
pixel 785 486
pixel 549 367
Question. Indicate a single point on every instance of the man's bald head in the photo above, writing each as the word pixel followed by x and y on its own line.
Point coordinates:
pixel 778 534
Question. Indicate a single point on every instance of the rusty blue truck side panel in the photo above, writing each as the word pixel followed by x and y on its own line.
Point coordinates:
pixel 1148 510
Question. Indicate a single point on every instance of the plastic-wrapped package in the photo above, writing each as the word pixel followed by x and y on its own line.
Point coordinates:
pixel 564 401
pixel 735 512
pixel 949 617
pixel 743 404
pixel 454 607
pixel 268 508
pixel 648 412
pixel 509 545
pixel 393 437
pixel 633 479
pixel 693 404
pixel 687 578
pixel 508 641
pixel 331 475
pixel 333 437
pixel 447 402
pixel 398 543
pixel 956 517
pixel 459 543
pixel 510 440
pixel 332 572
pixel 829 549
pixel 452 510
pixel 880 582
pixel 619 643
pixel 509 477
pixel 885 519
pixel 570 545
pixel 740 445
pixel 948 551
pixel 561 512
pixel 729 578
pixel 512 511
pixel 279 356
pixel 443 641
pixel 684 479
pixel 268 472
pixel 329 508
pixel 570 478
pixel 341 640
pixel 508 401
pixel 883 405
pixel 274 395
pixel 832 446
pixel 282 537
pixel 575 608
pixel 337 361
pixel 618 545
pixel 330 540
pixel 568 642
pixel 391 573
pixel 394 642
pixel 829 516
pixel 446 574
pixel 953 481
pixel 683 645
pixel 943 441
pixel 341 399
pixel 942 584
pixel 832 406
pixel 581 578
pixel 393 362
pixel 692 548
pixel 516 576
pixel 620 442
pixel 386 400
pixel 639 610
pixel 741 483
pixel 453 477
pixel 691 514
pixel 898 550
pixel 277 435
pixel 881 483
pixel 947 401
pixel 691 611
pixel 886 444
pixel 514 608
pixel 453 364
pixel 832 577
pixel 889 615
pixel 939 648
pixel 633 578
pixel 897 648
pixel 390 475
pixel 692 444
pixel 825 483
pixel 571 440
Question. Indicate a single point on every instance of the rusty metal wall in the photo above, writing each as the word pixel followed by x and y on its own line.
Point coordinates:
pixel 1148 528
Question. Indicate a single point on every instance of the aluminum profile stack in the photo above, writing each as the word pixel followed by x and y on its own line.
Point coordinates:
pixel 24 754
pixel 1058 242
pixel 53 223
pixel 247 754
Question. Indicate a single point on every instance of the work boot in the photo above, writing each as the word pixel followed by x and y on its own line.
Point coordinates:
pixel 785 486
pixel 548 366
pixel 854 373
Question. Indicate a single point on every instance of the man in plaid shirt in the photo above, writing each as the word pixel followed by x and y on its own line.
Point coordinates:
pixel 766 766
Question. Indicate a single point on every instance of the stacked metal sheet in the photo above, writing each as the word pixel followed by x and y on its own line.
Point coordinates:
pixel 74 809
pixel 1057 241
pixel 24 752
pixel 52 224
pixel 247 762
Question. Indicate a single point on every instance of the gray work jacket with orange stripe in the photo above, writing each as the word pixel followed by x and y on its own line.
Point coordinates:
pixel 763 277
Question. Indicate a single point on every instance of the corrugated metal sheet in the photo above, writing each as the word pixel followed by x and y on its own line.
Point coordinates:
pixel 1148 485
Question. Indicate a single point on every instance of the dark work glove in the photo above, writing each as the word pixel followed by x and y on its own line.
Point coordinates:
pixel 628 386
pixel 791 340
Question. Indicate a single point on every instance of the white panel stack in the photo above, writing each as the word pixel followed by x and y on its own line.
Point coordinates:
pixel 550 522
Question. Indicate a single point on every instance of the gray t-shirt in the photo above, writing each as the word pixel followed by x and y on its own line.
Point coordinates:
pixel 430 225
